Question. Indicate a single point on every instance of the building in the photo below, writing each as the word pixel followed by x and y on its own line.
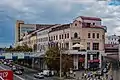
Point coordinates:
pixel 87 32
pixel 112 39
pixel 21 28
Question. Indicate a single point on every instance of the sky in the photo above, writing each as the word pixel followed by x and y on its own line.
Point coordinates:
pixel 55 11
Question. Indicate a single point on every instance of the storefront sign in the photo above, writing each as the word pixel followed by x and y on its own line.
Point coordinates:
pixel 20 55
pixel 8 56
pixel 92 52
pixel 6 75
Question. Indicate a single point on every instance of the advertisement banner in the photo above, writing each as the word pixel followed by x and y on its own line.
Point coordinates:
pixel 6 75
pixel 8 56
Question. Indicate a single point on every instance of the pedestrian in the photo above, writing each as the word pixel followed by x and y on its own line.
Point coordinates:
pixel 111 78
pixel 74 74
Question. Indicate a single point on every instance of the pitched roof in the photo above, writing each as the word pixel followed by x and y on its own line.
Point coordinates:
pixel 90 18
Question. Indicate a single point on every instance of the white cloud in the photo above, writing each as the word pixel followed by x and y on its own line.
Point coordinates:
pixel 50 11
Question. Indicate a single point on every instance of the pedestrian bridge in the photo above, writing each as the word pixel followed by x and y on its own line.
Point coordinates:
pixel 20 55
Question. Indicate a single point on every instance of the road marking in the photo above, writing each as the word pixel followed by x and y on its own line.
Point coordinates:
pixel 14 74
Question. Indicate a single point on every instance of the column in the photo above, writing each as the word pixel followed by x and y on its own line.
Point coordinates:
pixel 32 62
pixel 85 61
pixel 75 59
pixel 100 58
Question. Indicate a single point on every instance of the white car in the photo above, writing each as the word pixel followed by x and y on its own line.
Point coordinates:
pixel 39 75
pixel 46 72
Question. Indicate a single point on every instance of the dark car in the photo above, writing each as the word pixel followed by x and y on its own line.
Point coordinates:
pixel 20 68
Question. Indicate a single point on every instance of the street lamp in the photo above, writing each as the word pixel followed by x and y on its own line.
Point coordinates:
pixel 60 60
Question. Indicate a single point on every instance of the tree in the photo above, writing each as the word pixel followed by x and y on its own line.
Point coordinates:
pixel 53 60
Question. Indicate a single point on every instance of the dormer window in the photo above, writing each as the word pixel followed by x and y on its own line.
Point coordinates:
pixel 75 24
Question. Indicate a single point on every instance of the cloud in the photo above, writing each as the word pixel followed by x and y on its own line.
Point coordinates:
pixel 57 11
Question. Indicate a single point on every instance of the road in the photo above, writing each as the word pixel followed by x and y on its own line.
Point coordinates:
pixel 27 75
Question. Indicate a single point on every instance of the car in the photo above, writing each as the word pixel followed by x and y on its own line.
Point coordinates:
pixel 5 63
pixel 14 68
pixel 18 72
pixel 20 68
pixel 39 75
pixel 99 73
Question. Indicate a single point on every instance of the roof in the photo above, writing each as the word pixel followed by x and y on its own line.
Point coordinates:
pixel 60 27
pixel 90 18
pixel 39 26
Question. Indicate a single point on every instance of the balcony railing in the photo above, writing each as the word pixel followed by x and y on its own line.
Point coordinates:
pixel 75 38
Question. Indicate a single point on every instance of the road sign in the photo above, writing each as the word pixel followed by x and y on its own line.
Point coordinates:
pixel 20 55
pixel 8 56
pixel 6 75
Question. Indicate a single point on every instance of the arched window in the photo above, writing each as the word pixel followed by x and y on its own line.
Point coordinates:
pixel 75 35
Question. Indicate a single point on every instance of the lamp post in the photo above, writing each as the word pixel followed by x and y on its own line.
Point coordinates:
pixel 60 61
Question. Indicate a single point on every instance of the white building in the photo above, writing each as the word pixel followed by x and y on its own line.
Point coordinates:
pixel 112 39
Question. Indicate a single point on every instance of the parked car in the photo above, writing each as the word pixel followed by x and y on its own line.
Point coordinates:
pixel 99 73
pixel 14 68
pixel 39 75
pixel 20 68
pixel 18 72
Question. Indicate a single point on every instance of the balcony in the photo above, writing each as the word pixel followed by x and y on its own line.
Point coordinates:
pixel 75 38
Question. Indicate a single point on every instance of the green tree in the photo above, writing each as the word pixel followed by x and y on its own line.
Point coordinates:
pixel 53 60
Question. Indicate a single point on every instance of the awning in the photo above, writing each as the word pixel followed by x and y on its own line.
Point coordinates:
pixel 95 60
pixel 81 59
pixel 77 45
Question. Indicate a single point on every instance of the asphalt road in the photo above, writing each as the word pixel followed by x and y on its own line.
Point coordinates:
pixel 27 75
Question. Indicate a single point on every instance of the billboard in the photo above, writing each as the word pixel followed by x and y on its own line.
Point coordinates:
pixel 6 75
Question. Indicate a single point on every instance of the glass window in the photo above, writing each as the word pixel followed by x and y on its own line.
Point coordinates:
pixel 95 46
pixel 102 36
pixel 93 35
pixel 88 46
pixel 67 35
pixel 75 24
pixel 54 37
pixel 62 36
pixel 75 35
pixel 88 35
pixel 97 35
pixel 59 36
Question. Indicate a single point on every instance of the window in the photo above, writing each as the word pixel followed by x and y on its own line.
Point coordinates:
pixel 95 46
pixel 97 35
pixel 88 35
pixel 51 38
pixel 88 46
pixel 67 35
pixel 93 35
pixel 75 35
pixel 88 24
pixel 75 24
pixel 102 36
pixel 56 37
pixel 93 23
pixel 59 36
pixel 62 36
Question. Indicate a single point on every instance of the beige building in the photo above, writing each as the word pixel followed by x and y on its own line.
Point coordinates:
pixel 88 33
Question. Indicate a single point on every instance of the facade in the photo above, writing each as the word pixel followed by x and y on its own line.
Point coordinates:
pixel 21 28
pixel 86 31
pixel 112 39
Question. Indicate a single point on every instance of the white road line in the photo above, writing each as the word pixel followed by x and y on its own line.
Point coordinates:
pixel 14 74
